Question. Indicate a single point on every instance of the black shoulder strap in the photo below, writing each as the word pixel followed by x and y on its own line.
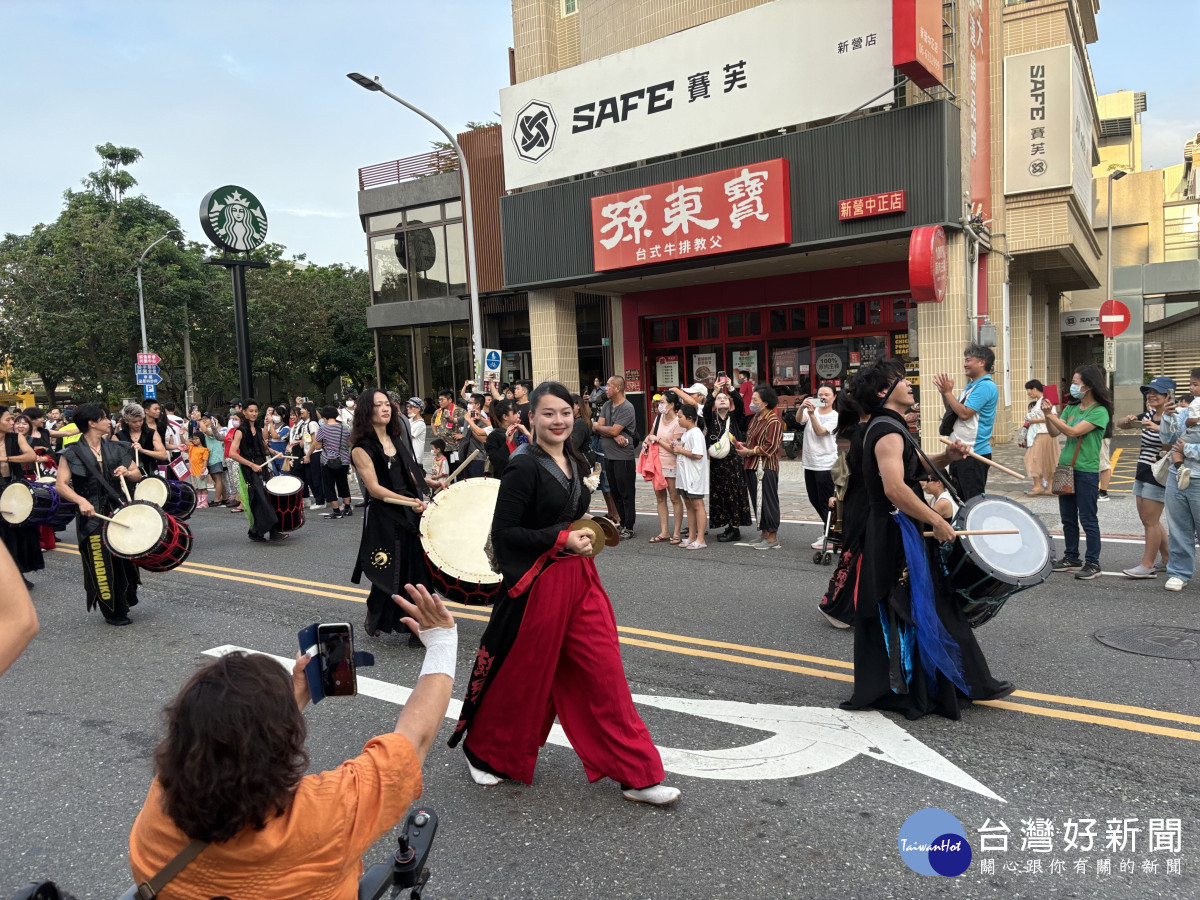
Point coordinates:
pixel 921 453
pixel 148 890
pixel 89 462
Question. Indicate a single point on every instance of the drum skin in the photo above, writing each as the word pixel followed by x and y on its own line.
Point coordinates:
pixel 175 497
pixel 985 570
pixel 455 529
pixel 149 537
pixel 26 503
pixel 286 493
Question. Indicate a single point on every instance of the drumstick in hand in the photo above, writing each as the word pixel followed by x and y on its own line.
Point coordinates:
pixel 462 465
pixel 984 459
pixel 114 521
pixel 402 501
pixel 978 533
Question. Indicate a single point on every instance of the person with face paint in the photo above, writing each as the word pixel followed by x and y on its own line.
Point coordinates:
pixel 728 498
pixel 914 650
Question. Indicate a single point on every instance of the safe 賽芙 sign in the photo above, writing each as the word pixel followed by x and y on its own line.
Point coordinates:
pixel 718 212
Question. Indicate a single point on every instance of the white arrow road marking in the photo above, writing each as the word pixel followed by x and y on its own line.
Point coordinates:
pixel 804 739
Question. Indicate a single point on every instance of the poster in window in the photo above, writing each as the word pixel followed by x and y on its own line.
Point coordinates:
pixel 667 371
pixel 704 366
pixel 747 359
pixel 785 366
pixel 633 381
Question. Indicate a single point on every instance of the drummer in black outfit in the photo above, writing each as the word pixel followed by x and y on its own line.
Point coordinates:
pixel 914 651
pixel 389 553
pixel 89 475
pixel 15 455
pixel 152 452
pixel 249 448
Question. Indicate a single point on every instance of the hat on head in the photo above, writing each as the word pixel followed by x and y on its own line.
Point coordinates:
pixel 1160 385
pixel 698 388
pixel 416 403
pixel 657 397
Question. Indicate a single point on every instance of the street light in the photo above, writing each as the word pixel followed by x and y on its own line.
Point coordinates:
pixel 1108 285
pixel 476 321
pixel 141 300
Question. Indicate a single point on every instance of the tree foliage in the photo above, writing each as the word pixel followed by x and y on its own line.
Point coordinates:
pixel 69 302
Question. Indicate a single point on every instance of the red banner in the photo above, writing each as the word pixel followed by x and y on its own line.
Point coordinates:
pixel 927 264
pixel 719 212
pixel 873 205
pixel 917 40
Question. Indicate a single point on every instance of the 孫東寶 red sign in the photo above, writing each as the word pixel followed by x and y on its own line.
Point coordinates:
pixel 719 212
pixel 917 40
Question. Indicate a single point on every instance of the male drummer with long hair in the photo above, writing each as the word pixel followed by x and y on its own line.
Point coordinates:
pixel 16 453
pixel 90 472
pixel 249 449
pixel 551 644
pixel 914 651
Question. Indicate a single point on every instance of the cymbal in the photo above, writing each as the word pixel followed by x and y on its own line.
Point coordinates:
pixel 597 532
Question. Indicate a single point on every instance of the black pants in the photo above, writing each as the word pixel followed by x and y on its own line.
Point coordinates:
pixel 768 519
pixel 752 488
pixel 621 473
pixel 819 485
pixel 315 479
pixel 970 476
pixel 337 482
pixel 475 467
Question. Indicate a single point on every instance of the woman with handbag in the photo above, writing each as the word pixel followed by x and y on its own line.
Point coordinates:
pixel 1149 495
pixel 333 442
pixel 1084 421
pixel 728 499
pixel 664 431
pixel 1041 453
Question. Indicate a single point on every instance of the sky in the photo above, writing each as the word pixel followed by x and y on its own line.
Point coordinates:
pixel 254 93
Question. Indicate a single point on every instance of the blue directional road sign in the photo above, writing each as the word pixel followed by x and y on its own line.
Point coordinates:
pixel 492 359
pixel 150 378
pixel 145 370
pixel 150 391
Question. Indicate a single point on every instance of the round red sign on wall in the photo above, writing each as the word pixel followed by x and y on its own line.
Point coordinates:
pixel 927 264
pixel 1114 318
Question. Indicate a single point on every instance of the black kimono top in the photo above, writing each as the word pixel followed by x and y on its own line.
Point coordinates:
pixel 534 510
pixel 883 549
pixel 85 470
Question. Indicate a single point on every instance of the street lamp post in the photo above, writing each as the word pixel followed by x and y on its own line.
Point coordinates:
pixel 1108 257
pixel 141 299
pixel 476 320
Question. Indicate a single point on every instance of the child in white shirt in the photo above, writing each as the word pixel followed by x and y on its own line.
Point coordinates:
pixel 691 476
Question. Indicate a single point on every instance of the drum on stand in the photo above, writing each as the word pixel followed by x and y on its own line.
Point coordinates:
pixel 455 529
pixel 35 503
pixel 985 570
pixel 177 498
pixel 286 493
pixel 149 537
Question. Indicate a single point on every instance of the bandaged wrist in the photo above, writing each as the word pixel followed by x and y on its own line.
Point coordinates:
pixel 441 650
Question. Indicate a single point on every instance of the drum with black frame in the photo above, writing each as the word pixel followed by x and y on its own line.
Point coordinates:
pixel 455 529
pixel 986 569
pixel 29 503
pixel 286 493
pixel 149 537
pixel 178 498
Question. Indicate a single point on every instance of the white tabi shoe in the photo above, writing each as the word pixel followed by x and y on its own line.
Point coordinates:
pixel 655 795
pixel 481 777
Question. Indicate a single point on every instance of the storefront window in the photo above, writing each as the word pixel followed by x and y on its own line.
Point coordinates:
pixel 664 330
pixel 703 327
pixel 396 361
pixel 423 261
pixel 441 359
pixel 797 318
pixel 385 222
pixel 876 312
pixel 456 260
pixel 389 275
pixel 860 313
pixel 778 320
pixel 463 369
pixel 703 362
pixel 424 214
pixel 1181 232
pixel 822 317
pixel 454 209
pixel 753 323
pixel 427 261
pixel 838 311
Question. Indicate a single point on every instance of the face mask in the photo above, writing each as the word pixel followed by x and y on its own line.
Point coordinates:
pixel 1077 391
pixel 662 408
pixel 755 407
pixel 275 420
pixel 349 404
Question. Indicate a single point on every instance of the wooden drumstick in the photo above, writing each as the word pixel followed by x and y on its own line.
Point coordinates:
pixel 113 521
pixel 462 465
pixel 402 501
pixel 125 488
pixel 978 532
pixel 984 459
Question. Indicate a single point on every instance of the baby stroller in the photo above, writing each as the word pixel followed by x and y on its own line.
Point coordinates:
pixel 831 542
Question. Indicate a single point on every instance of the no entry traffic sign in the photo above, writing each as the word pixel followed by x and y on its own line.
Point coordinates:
pixel 1114 318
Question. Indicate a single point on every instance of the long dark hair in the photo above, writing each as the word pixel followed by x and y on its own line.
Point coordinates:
pixel 234 748
pixel 363 428
pixel 849 413
pixel 1093 378
pixel 560 392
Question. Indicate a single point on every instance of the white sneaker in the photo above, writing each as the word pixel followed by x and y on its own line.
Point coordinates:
pixel 1174 584
pixel 836 623
pixel 818 544
pixel 481 777
pixel 1140 571
pixel 655 795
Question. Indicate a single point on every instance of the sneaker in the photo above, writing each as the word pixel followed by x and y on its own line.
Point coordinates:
pixel 760 544
pixel 655 795
pixel 1174 584
pixel 347 511
pixel 1139 571
pixel 773 545
pixel 1183 477
pixel 1103 498
pixel 336 514
pixel 1088 572
pixel 1159 566
pixel 1067 564
pixel 818 544
pixel 122 620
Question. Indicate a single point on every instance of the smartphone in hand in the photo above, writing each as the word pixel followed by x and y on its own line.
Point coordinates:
pixel 335 646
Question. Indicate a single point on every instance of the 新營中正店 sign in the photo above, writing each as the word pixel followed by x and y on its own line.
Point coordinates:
pixel 719 212
pixel 738 75
pixel 873 205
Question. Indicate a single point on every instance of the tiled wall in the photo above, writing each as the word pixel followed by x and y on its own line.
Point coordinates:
pixel 535 37
pixel 552 332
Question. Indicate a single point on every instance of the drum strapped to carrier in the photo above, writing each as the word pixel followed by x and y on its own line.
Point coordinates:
pixel 286 493
pixel 456 527
pixel 147 536
pixel 28 503
pixel 178 498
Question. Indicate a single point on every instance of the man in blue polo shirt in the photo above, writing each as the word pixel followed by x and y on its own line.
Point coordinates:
pixel 974 412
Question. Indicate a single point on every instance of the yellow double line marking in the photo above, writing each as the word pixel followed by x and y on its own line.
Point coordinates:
pixel 763 657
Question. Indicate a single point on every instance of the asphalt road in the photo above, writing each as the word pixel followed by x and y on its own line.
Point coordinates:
pixel 1093 733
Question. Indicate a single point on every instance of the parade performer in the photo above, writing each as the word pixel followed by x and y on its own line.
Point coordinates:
pixel 152 452
pixel 837 604
pixel 249 449
pixel 551 645
pixel 89 475
pixel 914 651
pixel 16 457
pixel 389 553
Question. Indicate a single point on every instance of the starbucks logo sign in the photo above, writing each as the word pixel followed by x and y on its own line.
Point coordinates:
pixel 233 219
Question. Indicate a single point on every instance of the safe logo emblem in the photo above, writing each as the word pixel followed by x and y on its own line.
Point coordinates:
pixel 233 219
pixel 534 131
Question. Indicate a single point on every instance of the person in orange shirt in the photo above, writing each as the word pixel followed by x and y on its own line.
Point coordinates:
pixel 230 771
pixel 198 468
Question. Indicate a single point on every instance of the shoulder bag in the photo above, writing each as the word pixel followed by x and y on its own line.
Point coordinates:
pixel 721 447
pixel 1063 481
pixel 148 890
